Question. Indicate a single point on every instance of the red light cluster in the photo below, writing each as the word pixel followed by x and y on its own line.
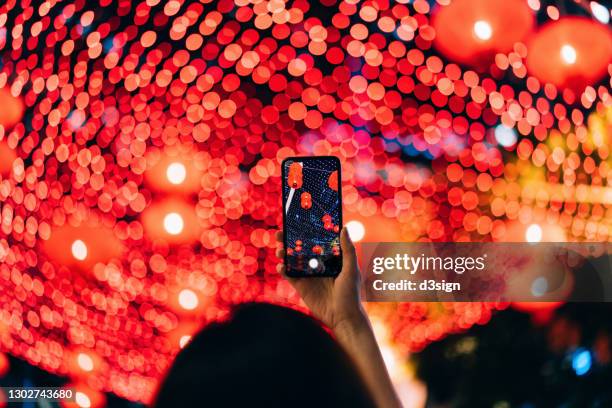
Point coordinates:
pixel 147 138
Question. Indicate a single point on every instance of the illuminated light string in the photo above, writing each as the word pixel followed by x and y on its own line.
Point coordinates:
pixel 395 77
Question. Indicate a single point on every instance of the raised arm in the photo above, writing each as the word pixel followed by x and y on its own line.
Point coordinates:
pixel 336 302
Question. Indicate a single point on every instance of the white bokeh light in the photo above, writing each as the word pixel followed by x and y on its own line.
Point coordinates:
pixel 505 136
pixel 539 286
pixel 79 250
pixel 176 173
pixel 483 30
pixel 600 12
pixel 174 224
pixel 568 54
pixel 82 400
pixel 184 340
pixel 188 299
pixel 85 362
pixel 533 233
pixel 313 263
pixel 356 230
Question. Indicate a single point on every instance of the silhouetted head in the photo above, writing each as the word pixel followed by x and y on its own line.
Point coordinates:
pixel 263 356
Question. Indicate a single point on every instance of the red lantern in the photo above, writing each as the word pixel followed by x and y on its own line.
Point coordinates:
pixel 7 157
pixel 326 219
pixel 12 108
pixel 294 180
pixel 572 52
pixel 177 169
pixel 471 32
pixel 317 249
pixel 82 246
pixel 332 181
pixel 306 199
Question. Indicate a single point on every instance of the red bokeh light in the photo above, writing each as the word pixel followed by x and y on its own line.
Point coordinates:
pixel 472 32
pixel 571 52
pixel 105 96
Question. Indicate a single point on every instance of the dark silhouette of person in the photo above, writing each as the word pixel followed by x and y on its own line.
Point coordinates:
pixel 271 356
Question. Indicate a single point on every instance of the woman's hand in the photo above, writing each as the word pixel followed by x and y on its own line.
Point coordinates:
pixel 334 301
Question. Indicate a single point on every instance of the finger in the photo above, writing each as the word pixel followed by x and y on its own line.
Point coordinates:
pixel 347 246
pixel 279 236
pixel 349 256
pixel 280 268
pixel 280 253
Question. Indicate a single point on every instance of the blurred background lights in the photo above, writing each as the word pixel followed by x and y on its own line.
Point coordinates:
pixel 568 54
pixel 85 362
pixel 103 145
pixel 79 250
pixel 173 223
pixel 188 299
pixel 184 340
pixel 313 263
pixel 176 173
pixel 356 230
pixel 82 400
pixel 581 361
pixel 389 358
pixel 539 286
pixel 600 12
pixel 505 136
pixel 533 233
pixel 483 30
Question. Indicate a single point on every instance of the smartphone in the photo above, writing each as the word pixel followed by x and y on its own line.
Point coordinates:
pixel 312 216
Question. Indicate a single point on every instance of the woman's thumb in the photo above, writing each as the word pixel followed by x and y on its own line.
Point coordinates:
pixel 349 257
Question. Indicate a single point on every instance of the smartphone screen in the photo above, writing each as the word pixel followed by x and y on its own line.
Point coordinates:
pixel 312 216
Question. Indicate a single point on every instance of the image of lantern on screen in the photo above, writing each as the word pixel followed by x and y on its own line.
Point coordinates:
pixel 312 215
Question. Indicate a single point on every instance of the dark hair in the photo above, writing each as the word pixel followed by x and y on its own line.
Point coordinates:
pixel 263 356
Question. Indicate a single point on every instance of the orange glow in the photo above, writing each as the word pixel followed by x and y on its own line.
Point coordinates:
pixel 4 365
pixel 571 52
pixel 188 299
pixel 532 232
pixel 376 228
pixel 12 108
pixel 7 157
pixel 85 397
pixel 82 246
pixel 175 170
pixel 82 361
pixel 472 31
pixel 182 334
pixel 172 220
